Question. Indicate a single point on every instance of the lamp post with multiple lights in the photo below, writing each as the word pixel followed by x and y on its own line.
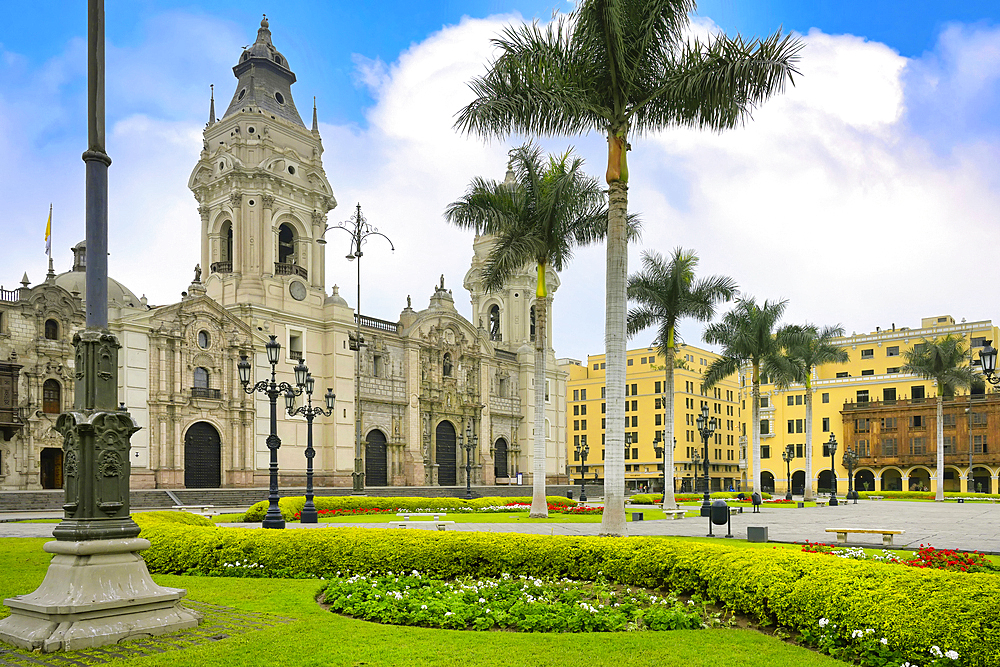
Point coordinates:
pixel 582 451
pixel 272 389
pixel 831 448
pixel 469 445
pixel 309 513
pixel 706 427
pixel 360 231
pixel 787 457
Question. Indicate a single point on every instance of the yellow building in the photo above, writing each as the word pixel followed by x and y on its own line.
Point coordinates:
pixel 644 414
pixel 857 401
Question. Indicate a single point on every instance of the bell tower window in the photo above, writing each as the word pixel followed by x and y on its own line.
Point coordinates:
pixel 495 323
pixel 51 397
pixel 51 330
pixel 286 245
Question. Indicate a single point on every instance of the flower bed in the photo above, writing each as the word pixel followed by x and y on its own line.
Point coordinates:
pixel 360 511
pixel 926 557
pixel 293 505
pixel 522 603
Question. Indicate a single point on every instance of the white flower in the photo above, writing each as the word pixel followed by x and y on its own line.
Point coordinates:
pixel 936 652
pixel 449 613
pixel 951 655
pixel 481 600
pixel 884 641
pixel 822 622
pixel 857 633
pixel 423 606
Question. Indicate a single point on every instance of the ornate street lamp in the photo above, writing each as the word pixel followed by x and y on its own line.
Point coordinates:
pixel 787 457
pixel 360 230
pixel 851 460
pixel 469 445
pixel 831 447
pixel 695 464
pixel 988 357
pixel 582 451
pixel 309 513
pixel 272 389
pixel 706 427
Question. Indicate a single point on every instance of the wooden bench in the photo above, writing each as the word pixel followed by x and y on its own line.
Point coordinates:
pixel 204 510
pixel 440 525
pixel 886 534
pixel 406 515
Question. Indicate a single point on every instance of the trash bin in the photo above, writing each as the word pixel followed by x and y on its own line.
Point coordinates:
pixel 720 512
pixel 636 516
pixel 756 533
pixel 569 494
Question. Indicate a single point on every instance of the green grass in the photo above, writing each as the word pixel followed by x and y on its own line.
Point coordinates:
pixel 317 637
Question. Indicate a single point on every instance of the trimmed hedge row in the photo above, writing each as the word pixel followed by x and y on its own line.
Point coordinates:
pixel 293 505
pixel 913 608
pixel 152 519
pixel 657 498
pixel 923 495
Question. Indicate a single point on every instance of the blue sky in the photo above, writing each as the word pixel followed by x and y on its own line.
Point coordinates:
pixel 845 195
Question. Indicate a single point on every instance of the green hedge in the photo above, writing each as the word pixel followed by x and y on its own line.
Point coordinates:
pixel 913 608
pixel 151 519
pixel 923 495
pixel 656 498
pixel 291 506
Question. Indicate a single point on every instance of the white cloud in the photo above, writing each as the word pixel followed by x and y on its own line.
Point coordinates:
pixel 836 196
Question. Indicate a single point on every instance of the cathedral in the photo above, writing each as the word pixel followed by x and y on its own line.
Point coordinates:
pixel 417 388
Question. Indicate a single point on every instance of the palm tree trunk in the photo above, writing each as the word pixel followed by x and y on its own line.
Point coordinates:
pixel 613 518
pixel 939 493
pixel 669 503
pixel 808 492
pixel 755 435
pixel 539 506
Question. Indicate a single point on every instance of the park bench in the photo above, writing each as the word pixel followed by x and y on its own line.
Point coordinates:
pixel 204 510
pixel 886 534
pixel 406 515
pixel 875 497
pixel 440 525
pixel 675 514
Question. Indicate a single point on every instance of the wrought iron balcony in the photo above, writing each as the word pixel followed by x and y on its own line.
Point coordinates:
pixel 206 392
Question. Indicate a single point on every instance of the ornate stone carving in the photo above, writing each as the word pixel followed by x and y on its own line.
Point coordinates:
pixel 267 201
pixel 236 198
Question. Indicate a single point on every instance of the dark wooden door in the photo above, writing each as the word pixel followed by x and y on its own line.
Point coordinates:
pixel 202 457
pixel 445 454
pixel 52 468
pixel 500 458
pixel 376 467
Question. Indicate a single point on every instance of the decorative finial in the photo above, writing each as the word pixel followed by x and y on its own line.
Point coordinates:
pixel 263 22
pixel 315 127
pixel 211 109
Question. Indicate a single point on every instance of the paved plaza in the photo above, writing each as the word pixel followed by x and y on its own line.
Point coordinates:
pixel 964 526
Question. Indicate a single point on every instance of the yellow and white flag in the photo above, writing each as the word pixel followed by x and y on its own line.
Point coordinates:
pixel 48 234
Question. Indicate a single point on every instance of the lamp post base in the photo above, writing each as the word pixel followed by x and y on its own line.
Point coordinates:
pixel 833 501
pixel 358 476
pixel 309 514
pixel 273 518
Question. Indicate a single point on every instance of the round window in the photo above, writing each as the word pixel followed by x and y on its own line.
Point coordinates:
pixel 203 340
pixel 251 202
pixel 222 165
pixel 251 130
pixel 242 93
pixel 279 98
pixel 291 170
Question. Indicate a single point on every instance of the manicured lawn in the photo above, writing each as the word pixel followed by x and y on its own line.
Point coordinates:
pixel 317 637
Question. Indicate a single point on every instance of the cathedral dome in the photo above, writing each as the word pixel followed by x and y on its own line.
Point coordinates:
pixel 76 281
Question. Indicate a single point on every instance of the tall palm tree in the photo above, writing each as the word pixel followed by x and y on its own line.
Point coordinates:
pixel 537 216
pixel 945 361
pixel 666 291
pixel 815 348
pixel 748 334
pixel 622 67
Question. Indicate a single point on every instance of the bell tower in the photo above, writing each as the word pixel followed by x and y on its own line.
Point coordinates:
pixel 261 190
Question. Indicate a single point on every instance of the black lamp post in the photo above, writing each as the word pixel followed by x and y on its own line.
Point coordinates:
pixel 706 427
pixel 309 514
pixel 696 464
pixel 787 457
pixel 360 230
pixel 988 357
pixel 582 451
pixel 831 447
pixel 469 445
pixel 272 389
pixel 851 460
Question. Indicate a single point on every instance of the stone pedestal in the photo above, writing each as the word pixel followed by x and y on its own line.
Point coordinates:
pixel 95 593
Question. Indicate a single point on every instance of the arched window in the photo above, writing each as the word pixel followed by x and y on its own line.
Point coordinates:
pixel 51 330
pixel 201 378
pixel 286 244
pixel 52 397
pixel 226 251
pixel 204 340
pixel 446 366
pixel 531 316
pixel 495 323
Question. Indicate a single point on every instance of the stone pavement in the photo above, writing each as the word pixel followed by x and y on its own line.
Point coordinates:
pixel 966 526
